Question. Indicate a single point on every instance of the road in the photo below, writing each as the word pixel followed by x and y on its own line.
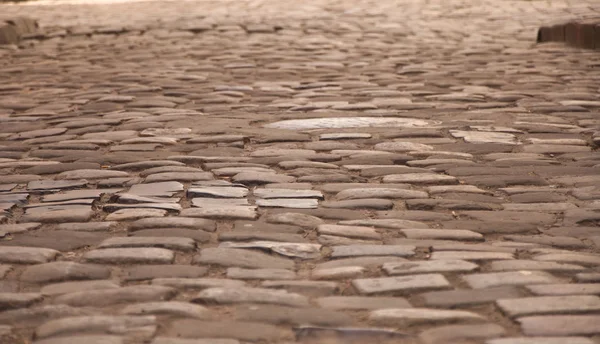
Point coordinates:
pixel 262 171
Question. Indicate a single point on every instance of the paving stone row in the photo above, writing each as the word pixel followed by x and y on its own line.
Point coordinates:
pixel 286 172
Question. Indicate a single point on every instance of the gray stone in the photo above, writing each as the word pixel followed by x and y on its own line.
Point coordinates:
pixel 347 122
pixel 391 193
pixel 420 178
pixel 411 315
pixel 362 302
pixel 163 189
pixel 56 184
pixel 560 325
pixel 429 267
pixel 134 214
pixel 130 256
pixel 260 274
pixel 174 222
pixel 508 265
pixel 313 288
pixel 461 333
pixel 111 296
pixel 443 234
pixel 18 300
pixel 296 250
pixel 144 325
pixel 153 205
pixel 468 255
pixel 19 227
pixel 26 255
pixel 286 193
pixel 245 331
pixel 173 243
pixel 541 340
pixel 78 194
pixel 91 174
pixel 146 272
pixel 241 258
pixel 495 279
pixel 251 295
pixel 89 339
pixel 468 297
pixel 87 226
pixel 178 176
pixel 294 203
pixel 172 340
pixel 343 272
pixel 63 271
pixel 218 192
pixel 372 250
pixel 296 316
pixel 297 219
pixel 360 261
pixel 71 287
pixel 231 212
pixel 171 308
pixel 400 284
pixel 64 213
pixel 205 202
pixel 565 289
pixel 549 305
pixel 363 203
pixel 349 231
pixel 385 223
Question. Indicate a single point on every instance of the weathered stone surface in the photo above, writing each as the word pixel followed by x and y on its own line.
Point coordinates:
pixel 63 271
pixel 26 255
pixel 461 333
pixel 360 302
pixel 173 243
pixel 295 250
pixel 540 340
pixel 91 339
pixel 229 212
pixel 372 250
pixel 130 256
pixel 171 308
pixel 400 284
pixel 263 274
pixel 429 267
pixel 349 231
pixel 75 286
pixel 146 272
pixel 420 315
pixel 174 222
pixel 302 220
pixel 565 289
pixel 246 331
pixel 241 258
pixel 560 325
pixel 99 324
pixel 468 297
pixel 251 295
pixel 549 305
pixel 107 297
pixel 172 340
pixel 18 300
pixel 296 316
pixel 487 280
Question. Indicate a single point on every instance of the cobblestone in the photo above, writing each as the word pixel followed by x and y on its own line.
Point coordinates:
pixel 302 169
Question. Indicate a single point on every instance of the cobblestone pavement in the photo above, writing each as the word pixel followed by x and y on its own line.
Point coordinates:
pixel 299 171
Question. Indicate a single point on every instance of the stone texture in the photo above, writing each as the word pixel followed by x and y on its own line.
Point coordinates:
pixel 400 284
pixel 549 305
pixel 241 258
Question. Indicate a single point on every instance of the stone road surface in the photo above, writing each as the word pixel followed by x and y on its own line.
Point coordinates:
pixel 277 171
